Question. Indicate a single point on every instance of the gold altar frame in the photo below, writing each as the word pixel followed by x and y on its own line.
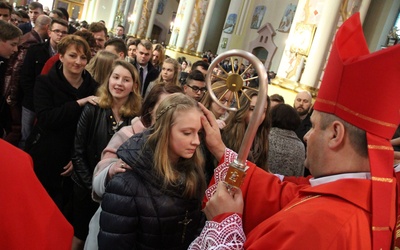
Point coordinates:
pixel 302 38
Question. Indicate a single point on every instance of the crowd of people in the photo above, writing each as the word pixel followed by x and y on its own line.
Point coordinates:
pixel 125 141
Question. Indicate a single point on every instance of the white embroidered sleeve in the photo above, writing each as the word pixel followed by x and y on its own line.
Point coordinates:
pixel 221 170
pixel 226 235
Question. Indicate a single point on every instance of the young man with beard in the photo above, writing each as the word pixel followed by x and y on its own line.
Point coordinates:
pixel 303 105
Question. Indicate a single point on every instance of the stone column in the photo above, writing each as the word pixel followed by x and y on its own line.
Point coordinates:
pixel 364 9
pixel 327 27
pixel 113 13
pixel 184 27
pixel 144 18
pixel 196 26
pixel 177 22
pixel 206 25
pixel 228 30
pixel 151 21
pixel 137 10
pixel 125 10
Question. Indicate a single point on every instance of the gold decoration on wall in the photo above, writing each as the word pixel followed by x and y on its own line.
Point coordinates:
pixel 303 38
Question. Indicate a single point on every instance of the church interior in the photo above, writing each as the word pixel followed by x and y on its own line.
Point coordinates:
pixel 291 38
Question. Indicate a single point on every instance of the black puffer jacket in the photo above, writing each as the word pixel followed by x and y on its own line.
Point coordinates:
pixel 139 214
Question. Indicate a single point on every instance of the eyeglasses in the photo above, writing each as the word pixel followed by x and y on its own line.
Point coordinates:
pixel 224 101
pixel 196 89
pixel 60 32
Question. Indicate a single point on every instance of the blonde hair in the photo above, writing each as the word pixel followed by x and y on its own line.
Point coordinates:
pixel 219 88
pixel 100 65
pixel 175 78
pixel 133 104
pixel 161 53
pixel 233 133
pixel 192 168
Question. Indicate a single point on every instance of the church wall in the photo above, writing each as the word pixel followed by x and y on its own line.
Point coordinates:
pixel 103 12
pixel 273 14
pixel 379 21
pixel 217 23
pixel 166 17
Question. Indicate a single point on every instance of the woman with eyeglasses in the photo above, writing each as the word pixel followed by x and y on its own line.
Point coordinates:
pixel 225 97
pixel 59 98
pixel 236 125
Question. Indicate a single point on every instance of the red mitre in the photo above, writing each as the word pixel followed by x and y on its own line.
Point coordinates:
pixel 363 89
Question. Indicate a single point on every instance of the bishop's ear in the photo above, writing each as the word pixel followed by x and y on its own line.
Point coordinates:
pixel 337 133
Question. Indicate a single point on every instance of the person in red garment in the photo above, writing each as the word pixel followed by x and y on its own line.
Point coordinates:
pixel 351 200
pixel 29 218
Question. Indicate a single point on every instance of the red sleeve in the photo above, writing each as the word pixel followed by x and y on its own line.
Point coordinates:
pixel 263 193
pixel 47 66
pixel 29 217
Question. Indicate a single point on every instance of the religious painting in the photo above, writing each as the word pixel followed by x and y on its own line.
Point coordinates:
pixel 303 38
pixel 161 6
pixel 287 19
pixel 230 23
pixel 258 16
pixel 62 4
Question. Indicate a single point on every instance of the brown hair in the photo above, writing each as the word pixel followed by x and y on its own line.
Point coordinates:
pixel 77 41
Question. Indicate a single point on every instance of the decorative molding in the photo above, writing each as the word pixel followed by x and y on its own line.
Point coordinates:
pixel 292 85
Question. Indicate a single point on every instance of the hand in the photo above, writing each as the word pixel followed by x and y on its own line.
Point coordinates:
pixel 224 201
pixel 118 167
pixel 68 169
pixel 396 157
pixel 91 99
pixel 213 135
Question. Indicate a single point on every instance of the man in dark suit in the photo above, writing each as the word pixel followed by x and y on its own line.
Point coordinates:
pixel 35 58
pixel 146 70
pixel 120 32
pixel 35 10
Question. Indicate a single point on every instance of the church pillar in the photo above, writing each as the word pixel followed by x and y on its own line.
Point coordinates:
pixel 151 20
pixel 327 27
pixel 184 27
pixel 196 26
pixel 176 24
pixel 364 9
pixel 233 18
pixel 125 9
pixel 113 12
pixel 206 25
pixel 137 10
pixel 144 18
